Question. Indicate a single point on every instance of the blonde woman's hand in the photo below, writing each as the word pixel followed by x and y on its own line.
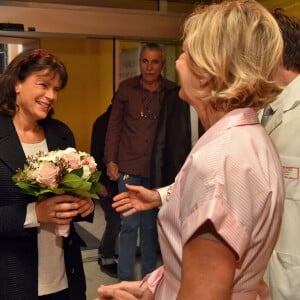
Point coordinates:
pixel 137 198
pixel 126 290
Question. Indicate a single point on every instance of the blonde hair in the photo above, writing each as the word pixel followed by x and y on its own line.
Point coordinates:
pixel 238 46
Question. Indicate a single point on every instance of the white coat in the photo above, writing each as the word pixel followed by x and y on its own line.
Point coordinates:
pixel 283 273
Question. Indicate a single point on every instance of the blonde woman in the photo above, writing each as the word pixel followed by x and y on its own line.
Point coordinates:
pixel 221 218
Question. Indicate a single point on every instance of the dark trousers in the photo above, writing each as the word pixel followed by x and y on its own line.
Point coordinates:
pixel 107 247
pixel 61 295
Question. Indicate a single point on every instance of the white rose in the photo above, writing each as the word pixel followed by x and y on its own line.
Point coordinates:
pixel 86 172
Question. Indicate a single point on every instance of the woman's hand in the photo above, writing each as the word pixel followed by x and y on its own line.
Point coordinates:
pixel 136 199
pixel 57 209
pixel 85 206
pixel 125 290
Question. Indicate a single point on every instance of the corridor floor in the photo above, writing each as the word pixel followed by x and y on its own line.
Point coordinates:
pixel 94 276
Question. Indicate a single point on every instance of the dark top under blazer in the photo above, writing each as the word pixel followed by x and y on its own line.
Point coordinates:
pixel 97 150
pixel 18 246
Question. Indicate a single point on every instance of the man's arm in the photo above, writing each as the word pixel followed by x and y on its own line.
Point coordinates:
pixel 112 171
pixel 113 135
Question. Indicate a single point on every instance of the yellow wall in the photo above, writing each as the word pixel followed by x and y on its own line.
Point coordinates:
pixel 89 60
pixel 89 89
pixel 291 6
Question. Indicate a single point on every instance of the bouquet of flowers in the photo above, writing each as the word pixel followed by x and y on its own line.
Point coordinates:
pixel 59 172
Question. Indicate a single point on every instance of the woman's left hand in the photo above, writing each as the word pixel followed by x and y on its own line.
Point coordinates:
pixel 85 206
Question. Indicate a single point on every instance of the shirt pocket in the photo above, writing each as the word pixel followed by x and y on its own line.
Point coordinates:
pixel 291 174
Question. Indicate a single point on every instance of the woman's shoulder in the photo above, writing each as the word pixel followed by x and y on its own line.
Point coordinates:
pixel 5 119
pixel 56 126
pixel 54 123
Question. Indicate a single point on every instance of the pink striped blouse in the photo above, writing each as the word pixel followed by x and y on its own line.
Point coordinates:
pixel 232 177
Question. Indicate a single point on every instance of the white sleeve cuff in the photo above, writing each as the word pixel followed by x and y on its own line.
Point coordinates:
pixel 31 218
pixel 163 192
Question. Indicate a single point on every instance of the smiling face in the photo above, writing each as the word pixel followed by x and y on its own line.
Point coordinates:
pixel 36 95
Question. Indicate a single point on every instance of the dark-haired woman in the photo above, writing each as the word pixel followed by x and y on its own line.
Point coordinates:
pixel 35 263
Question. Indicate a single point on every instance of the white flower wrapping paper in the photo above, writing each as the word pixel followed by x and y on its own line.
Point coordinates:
pixel 62 230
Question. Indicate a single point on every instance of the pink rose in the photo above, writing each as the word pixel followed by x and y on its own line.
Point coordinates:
pixel 90 162
pixel 47 174
pixel 73 160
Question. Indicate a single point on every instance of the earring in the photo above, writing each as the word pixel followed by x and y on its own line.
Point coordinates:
pixel 203 82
